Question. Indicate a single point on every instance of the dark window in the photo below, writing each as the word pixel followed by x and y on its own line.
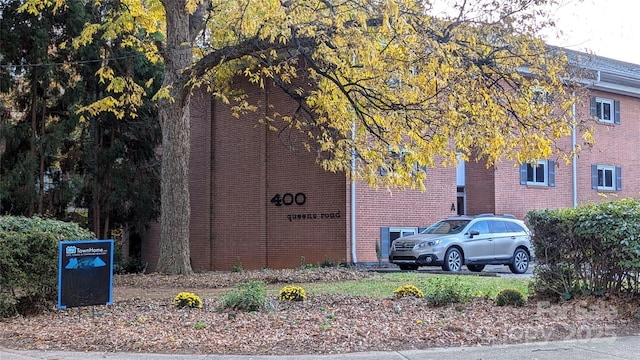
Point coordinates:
pixel 498 227
pixel 513 227
pixel 541 173
pixel 536 174
pixel 605 110
pixel 606 177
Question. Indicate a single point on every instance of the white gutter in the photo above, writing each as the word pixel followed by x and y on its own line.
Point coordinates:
pixel 354 257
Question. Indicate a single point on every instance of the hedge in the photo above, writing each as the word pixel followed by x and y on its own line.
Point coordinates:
pixel 29 261
pixel 591 250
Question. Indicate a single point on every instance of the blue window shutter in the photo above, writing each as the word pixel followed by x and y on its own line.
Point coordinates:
pixel 523 174
pixel 616 109
pixel 384 242
pixel 594 176
pixel 593 107
pixel 551 180
pixel 618 178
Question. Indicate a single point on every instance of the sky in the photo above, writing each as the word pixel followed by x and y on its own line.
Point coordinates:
pixel 609 28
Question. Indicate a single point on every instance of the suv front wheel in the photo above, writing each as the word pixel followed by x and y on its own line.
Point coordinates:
pixel 452 260
pixel 520 262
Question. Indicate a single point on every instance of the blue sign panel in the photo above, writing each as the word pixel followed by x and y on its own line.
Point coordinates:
pixel 85 273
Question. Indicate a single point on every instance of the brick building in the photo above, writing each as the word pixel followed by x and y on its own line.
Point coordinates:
pixel 259 200
pixel 607 170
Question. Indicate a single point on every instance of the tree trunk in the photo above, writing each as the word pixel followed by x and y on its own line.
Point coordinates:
pixel 175 211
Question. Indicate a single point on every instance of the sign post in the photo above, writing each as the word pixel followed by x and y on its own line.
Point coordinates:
pixel 85 273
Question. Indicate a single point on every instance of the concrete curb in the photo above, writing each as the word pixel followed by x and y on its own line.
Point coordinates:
pixel 627 347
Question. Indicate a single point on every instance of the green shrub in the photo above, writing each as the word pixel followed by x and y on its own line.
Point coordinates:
pixel 249 296
pixel 237 267
pixel 200 325
pixel 512 297
pixel 446 290
pixel 292 293
pixel 408 290
pixel 304 265
pixel 591 250
pixel 328 263
pixel 29 261
pixel 187 299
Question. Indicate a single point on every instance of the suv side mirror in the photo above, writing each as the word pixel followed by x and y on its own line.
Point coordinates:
pixel 474 233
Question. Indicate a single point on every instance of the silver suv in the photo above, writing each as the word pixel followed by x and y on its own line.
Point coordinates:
pixel 474 241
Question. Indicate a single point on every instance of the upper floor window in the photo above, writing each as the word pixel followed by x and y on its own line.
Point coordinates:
pixel 605 110
pixel 606 177
pixel 540 173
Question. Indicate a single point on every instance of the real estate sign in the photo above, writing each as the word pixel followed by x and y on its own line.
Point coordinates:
pixel 85 273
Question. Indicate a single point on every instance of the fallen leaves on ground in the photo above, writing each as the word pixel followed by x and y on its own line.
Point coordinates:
pixel 322 324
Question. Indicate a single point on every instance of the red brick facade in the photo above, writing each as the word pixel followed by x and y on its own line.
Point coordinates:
pixel 498 189
pixel 238 166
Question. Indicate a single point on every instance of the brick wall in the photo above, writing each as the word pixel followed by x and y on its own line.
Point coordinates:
pixel 615 145
pixel 378 208
pixel 238 166
pixel 250 166
pixel 480 188
pixel 312 229
pixel 200 181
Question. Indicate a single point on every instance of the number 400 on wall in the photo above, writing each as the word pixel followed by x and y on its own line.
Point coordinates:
pixel 289 199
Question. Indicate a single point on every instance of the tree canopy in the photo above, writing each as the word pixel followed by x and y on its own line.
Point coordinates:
pixel 386 81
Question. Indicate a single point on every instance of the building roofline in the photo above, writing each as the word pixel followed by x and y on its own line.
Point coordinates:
pixel 606 74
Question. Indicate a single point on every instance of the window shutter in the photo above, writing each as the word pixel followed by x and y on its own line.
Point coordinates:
pixel 384 242
pixel 594 176
pixel 593 107
pixel 616 109
pixel 551 180
pixel 618 178
pixel 523 174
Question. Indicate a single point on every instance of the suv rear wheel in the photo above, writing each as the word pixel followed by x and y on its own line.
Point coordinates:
pixel 520 262
pixel 452 260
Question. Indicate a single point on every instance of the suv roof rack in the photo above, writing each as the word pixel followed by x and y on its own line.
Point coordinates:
pixel 510 216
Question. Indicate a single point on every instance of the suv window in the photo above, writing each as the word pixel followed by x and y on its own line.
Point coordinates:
pixel 499 226
pixel 446 227
pixel 481 226
pixel 514 227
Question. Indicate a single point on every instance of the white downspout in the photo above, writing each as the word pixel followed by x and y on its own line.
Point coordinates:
pixel 574 164
pixel 354 257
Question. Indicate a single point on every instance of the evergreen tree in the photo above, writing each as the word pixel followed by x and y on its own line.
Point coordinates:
pixel 51 156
